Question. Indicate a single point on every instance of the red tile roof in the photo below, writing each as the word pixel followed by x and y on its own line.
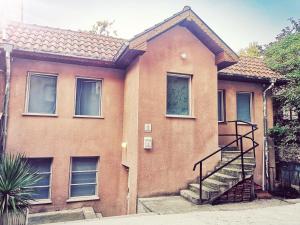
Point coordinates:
pixel 250 67
pixel 41 39
pixel 84 45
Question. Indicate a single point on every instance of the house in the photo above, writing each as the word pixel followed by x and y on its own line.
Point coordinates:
pixel 107 120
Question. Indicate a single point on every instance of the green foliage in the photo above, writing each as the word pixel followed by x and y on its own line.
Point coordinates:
pixel 104 27
pixel 283 56
pixel 253 50
pixel 16 176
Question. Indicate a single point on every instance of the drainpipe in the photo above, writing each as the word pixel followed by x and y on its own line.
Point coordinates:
pixel 7 50
pixel 265 172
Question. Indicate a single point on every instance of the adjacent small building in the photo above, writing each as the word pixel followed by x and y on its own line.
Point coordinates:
pixel 107 120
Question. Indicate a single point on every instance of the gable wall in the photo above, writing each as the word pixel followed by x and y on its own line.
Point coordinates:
pixel 178 143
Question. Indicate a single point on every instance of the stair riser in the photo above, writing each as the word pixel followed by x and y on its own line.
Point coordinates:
pixel 190 198
pixel 205 194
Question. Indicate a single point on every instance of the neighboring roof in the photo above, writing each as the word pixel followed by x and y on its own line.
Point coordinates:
pixel 42 39
pixel 225 56
pixel 249 68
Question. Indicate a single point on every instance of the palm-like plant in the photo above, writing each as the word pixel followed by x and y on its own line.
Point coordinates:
pixel 16 177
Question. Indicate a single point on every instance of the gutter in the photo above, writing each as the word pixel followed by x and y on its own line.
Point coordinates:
pixel 265 169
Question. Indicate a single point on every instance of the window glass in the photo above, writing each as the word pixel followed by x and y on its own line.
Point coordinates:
pixel 84 176
pixel 42 94
pixel 221 108
pixel 178 95
pixel 244 106
pixel 42 187
pixel 88 97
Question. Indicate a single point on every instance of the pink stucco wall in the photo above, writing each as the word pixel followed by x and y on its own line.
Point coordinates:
pixel 64 136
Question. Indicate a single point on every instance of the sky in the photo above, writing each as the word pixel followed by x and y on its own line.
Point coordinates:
pixel 237 22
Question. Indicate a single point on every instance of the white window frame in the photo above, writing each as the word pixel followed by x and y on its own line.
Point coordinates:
pixel 40 74
pixel 86 197
pixel 223 109
pixel 251 104
pixel 100 99
pixel 44 200
pixel 189 76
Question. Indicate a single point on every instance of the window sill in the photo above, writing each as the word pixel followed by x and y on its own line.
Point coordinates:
pixel 84 198
pixel 88 117
pixel 222 122
pixel 41 202
pixel 40 114
pixel 180 117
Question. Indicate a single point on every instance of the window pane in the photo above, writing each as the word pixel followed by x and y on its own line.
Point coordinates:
pixel 243 107
pixel 41 165
pixel 42 94
pixel 83 190
pixel 88 97
pixel 178 95
pixel 86 177
pixel 44 181
pixel 41 193
pixel 220 106
pixel 83 164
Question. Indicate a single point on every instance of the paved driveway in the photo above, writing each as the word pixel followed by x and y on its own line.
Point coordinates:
pixel 276 215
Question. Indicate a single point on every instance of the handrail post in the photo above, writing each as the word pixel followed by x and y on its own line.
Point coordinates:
pixel 236 134
pixel 253 144
pixel 200 184
pixel 242 158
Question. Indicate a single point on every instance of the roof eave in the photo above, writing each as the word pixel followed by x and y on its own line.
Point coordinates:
pixel 62 58
pixel 249 78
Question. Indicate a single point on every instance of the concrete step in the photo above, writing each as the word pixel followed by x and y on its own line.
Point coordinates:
pixel 215 184
pixel 230 148
pixel 238 165
pixel 190 196
pixel 207 192
pixel 233 154
pixel 247 159
pixel 235 172
pixel 226 178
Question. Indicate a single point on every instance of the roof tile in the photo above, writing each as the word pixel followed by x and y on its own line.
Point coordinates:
pixel 250 67
pixel 37 38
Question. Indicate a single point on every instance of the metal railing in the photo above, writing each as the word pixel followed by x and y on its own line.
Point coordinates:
pixel 239 144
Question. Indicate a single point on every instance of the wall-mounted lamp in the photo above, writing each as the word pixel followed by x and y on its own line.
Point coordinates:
pixel 183 55
pixel 124 145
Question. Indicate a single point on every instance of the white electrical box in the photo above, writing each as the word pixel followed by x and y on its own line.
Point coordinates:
pixel 148 127
pixel 147 142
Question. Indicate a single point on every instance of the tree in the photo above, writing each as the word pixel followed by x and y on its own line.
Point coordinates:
pixel 283 56
pixel 293 28
pixel 104 27
pixel 253 50
pixel 16 177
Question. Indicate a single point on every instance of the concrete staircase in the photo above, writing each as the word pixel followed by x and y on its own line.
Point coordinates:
pixel 223 180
